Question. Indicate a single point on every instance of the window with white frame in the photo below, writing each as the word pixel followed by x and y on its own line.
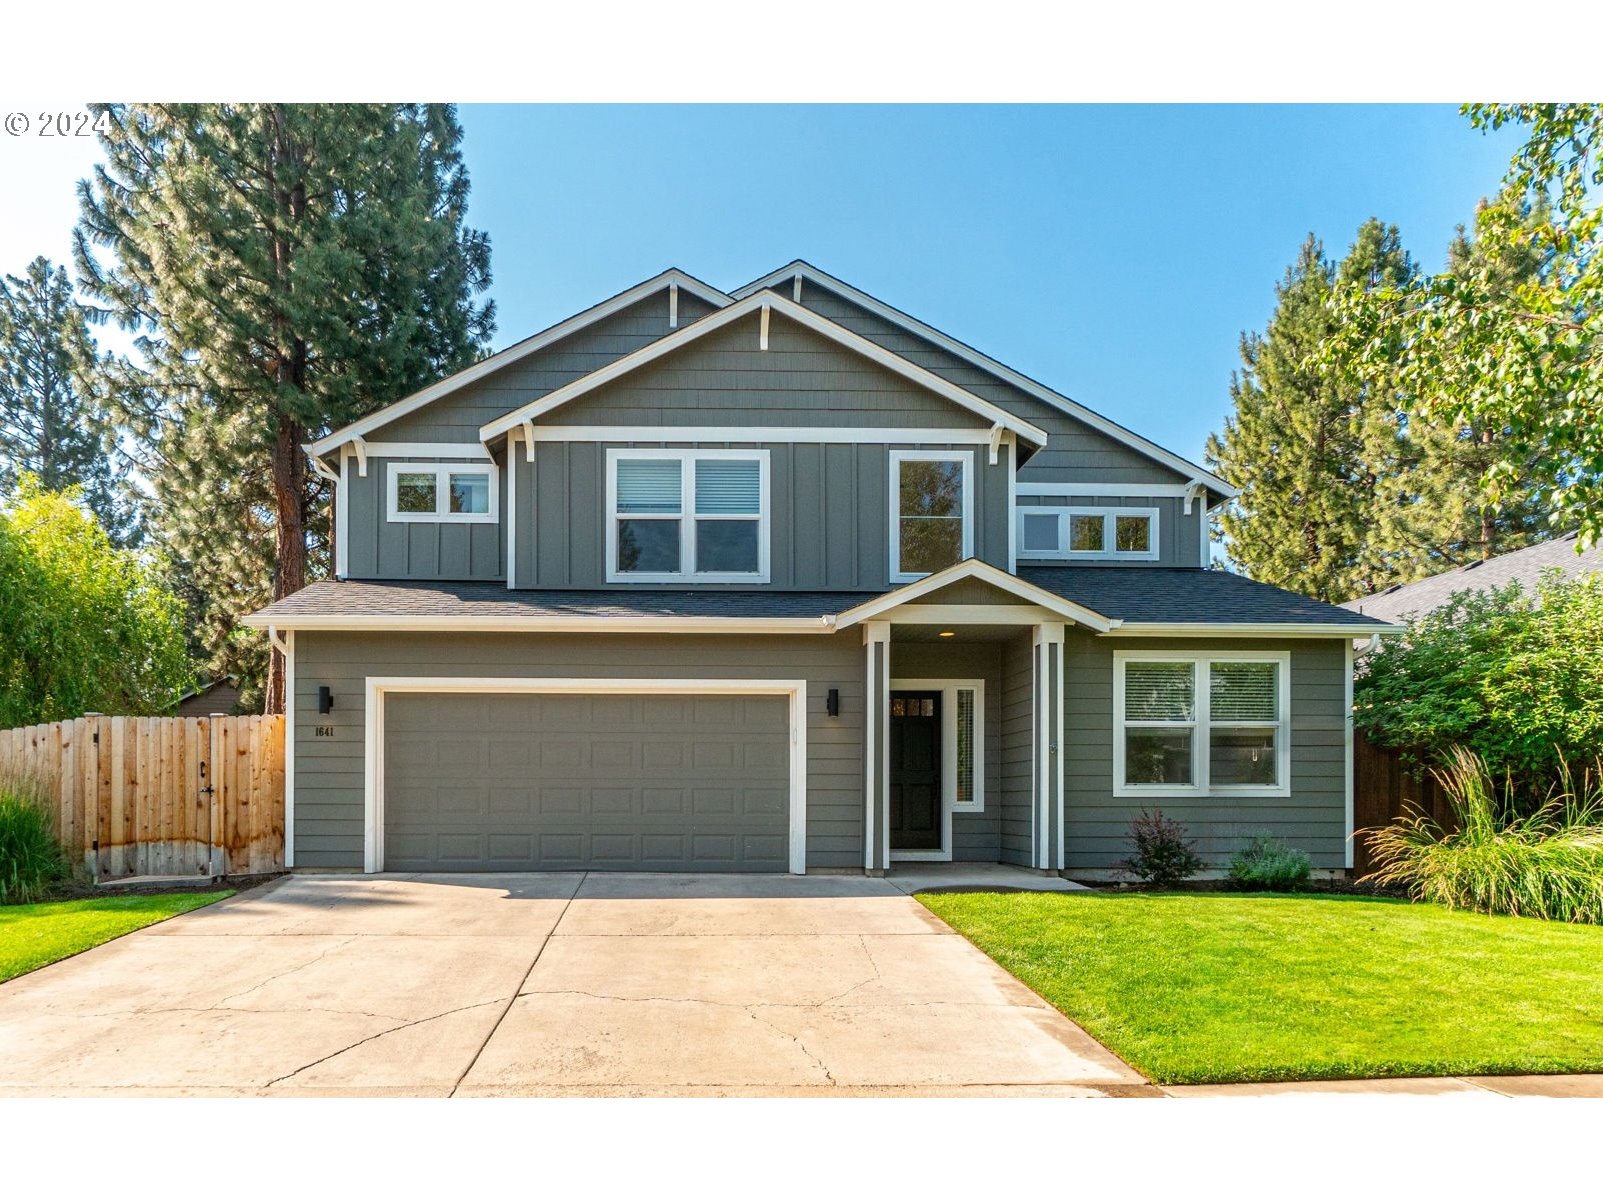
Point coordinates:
pixel 1056 532
pixel 962 739
pixel 687 515
pixel 441 492
pixel 1201 723
pixel 932 511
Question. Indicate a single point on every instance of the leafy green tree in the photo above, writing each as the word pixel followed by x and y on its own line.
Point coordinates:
pixel 84 625
pixel 290 268
pixel 52 425
pixel 1515 676
pixel 1428 513
pixel 1523 362
pixel 1295 444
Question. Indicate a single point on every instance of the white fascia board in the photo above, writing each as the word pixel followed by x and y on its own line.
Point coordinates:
pixel 576 625
pixel 1277 630
pixel 981 360
pixel 519 350
pixel 942 387
pixel 974 569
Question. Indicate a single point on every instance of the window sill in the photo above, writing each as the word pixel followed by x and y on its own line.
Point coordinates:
pixel 445 519
pixel 662 578
pixel 1180 792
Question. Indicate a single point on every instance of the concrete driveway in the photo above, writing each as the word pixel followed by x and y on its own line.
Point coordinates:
pixel 556 984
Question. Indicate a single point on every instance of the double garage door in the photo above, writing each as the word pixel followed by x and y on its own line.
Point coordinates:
pixel 510 782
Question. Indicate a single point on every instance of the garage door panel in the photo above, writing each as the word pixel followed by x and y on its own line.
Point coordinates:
pixel 552 781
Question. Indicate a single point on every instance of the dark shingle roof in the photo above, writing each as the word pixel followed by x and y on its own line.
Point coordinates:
pixel 1186 595
pixel 1130 594
pixel 331 598
pixel 1524 566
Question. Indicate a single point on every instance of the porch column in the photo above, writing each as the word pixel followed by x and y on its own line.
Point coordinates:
pixel 1048 850
pixel 877 747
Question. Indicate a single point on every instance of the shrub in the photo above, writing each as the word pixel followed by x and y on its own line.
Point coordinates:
pixel 1267 863
pixel 30 858
pixel 1161 853
pixel 1515 676
pixel 1541 862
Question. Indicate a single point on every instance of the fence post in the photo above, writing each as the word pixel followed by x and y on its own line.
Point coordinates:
pixel 213 787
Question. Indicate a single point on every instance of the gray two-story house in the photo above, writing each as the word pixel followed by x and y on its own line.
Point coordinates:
pixel 783 579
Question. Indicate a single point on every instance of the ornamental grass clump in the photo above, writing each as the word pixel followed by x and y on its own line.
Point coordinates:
pixel 1543 863
pixel 31 860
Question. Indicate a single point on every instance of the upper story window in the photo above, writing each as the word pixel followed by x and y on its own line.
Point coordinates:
pixel 441 492
pixel 1201 723
pixel 1046 532
pixel 676 516
pixel 932 511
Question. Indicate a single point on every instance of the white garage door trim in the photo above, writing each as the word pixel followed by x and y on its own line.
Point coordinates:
pixel 379 686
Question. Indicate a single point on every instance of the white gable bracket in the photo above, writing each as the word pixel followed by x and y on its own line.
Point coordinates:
pixel 1194 489
pixel 321 468
pixel 762 333
pixel 996 441
pixel 528 440
pixel 795 288
pixel 673 306
pixel 361 456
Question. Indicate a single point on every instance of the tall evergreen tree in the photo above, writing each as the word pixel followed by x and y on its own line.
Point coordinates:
pixel 1295 444
pixel 1430 512
pixel 53 426
pixel 290 267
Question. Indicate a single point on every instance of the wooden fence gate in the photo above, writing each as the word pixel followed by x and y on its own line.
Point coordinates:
pixel 1384 789
pixel 159 796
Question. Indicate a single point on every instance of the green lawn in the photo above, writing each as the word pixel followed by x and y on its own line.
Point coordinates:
pixel 33 936
pixel 1202 987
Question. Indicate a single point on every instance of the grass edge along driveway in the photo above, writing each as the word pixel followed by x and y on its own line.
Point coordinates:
pixel 32 936
pixel 1194 988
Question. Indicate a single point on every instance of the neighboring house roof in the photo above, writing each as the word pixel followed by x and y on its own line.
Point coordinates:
pixel 962 350
pixel 673 277
pixel 1123 601
pixel 218 697
pixel 762 301
pixel 1524 567
pixel 1149 601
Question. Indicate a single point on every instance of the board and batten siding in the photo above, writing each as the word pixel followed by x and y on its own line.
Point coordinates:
pixel 379 549
pixel 1313 818
pixel 829 513
pixel 457 417
pixel 1074 450
pixel 1018 749
pixel 1180 534
pixel 329 799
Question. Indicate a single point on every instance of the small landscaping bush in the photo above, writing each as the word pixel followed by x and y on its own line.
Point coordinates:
pixel 30 858
pixel 1161 853
pixel 1505 858
pixel 1267 863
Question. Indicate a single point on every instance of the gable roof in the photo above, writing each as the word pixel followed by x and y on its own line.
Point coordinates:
pixel 1001 371
pixel 756 301
pixel 974 569
pixel 1523 567
pixel 518 350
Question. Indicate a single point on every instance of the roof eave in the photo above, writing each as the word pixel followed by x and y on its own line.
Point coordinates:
pixel 1355 630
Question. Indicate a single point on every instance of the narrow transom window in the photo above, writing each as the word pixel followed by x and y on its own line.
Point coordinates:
pixel 931 512
pixel 1201 723
pixel 1072 532
pixel 441 492
pixel 687 515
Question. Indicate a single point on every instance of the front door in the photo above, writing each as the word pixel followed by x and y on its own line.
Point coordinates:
pixel 915 772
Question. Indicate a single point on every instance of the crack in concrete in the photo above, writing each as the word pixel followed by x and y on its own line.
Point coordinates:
pixel 327 951
pixel 402 1026
pixel 818 1061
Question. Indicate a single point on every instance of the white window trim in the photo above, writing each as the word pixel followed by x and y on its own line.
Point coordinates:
pixel 1202 725
pixel 1109 515
pixel 948 689
pixel 897 458
pixel 687 517
pixel 442 492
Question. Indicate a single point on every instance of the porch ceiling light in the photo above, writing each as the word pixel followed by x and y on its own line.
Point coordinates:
pixel 946 634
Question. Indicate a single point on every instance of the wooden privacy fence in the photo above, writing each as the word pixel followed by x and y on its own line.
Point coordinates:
pixel 159 796
pixel 1384 788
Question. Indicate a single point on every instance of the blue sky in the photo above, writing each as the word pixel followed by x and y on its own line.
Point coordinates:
pixel 1113 252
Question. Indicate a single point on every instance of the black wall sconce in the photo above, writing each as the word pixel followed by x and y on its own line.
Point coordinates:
pixel 325 699
pixel 832 703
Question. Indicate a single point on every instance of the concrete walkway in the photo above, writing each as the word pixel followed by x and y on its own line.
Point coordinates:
pixel 551 984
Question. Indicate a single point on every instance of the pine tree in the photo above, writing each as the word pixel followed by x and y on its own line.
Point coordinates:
pixel 1295 445
pixel 53 426
pixel 291 267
